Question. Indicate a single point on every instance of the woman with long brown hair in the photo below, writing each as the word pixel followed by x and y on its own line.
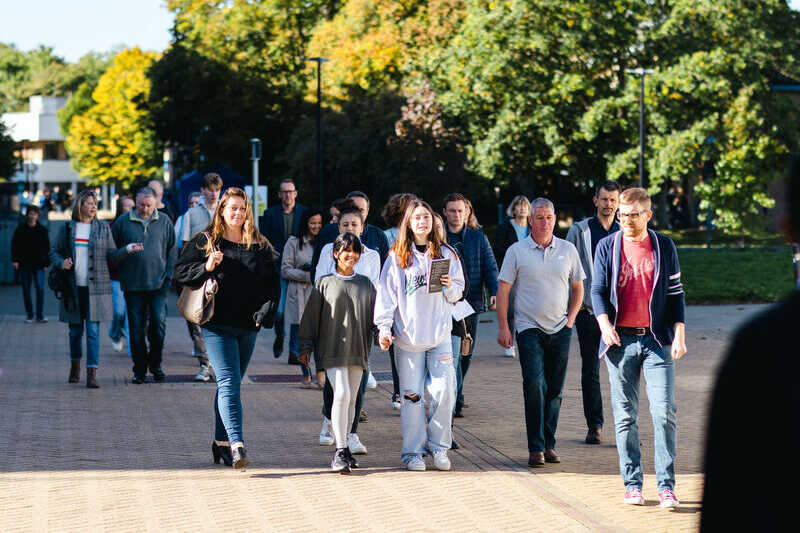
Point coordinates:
pixel 82 250
pixel 244 264
pixel 416 318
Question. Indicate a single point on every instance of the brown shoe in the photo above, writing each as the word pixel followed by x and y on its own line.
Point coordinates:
pixel 74 371
pixel 593 436
pixel 551 456
pixel 91 378
pixel 536 459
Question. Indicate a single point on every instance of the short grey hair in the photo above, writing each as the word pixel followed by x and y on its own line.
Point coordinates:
pixel 519 199
pixel 146 191
pixel 542 203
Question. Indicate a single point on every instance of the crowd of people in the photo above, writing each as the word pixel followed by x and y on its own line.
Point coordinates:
pixel 415 290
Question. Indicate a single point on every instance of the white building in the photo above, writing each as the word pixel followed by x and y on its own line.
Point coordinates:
pixel 40 143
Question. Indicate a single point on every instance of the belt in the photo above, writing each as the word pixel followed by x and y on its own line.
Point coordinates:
pixel 636 332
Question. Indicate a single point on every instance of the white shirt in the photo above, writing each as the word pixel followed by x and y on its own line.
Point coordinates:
pixel 369 264
pixel 81 244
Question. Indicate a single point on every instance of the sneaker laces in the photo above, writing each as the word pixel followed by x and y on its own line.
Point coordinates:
pixel 667 494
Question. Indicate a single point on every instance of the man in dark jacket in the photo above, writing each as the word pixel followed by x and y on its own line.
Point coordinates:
pixel 473 247
pixel 277 224
pixel 638 299
pixel 30 247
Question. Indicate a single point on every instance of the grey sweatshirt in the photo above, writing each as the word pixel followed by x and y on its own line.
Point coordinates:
pixel 145 270
pixel 337 321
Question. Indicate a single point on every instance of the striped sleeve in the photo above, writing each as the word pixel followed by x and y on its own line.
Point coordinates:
pixel 675 286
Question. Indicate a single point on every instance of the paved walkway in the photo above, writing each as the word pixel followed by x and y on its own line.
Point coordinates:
pixel 137 458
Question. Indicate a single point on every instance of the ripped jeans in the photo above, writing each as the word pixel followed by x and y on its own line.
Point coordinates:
pixel 429 371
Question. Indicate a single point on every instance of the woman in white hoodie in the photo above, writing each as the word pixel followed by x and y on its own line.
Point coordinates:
pixel 418 323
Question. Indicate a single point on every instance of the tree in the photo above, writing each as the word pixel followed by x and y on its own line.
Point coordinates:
pixel 84 77
pixel 114 142
pixel 8 160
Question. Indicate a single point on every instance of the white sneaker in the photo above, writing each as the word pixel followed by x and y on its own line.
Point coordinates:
pixel 117 345
pixel 371 383
pixel 326 433
pixel 356 448
pixel 416 464
pixel 441 461
pixel 396 405
pixel 509 352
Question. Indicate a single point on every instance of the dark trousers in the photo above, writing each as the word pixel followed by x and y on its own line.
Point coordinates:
pixel 198 342
pixel 543 358
pixel 395 378
pixel 35 277
pixel 465 360
pixel 327 401
pixel 146 310
pixel 589 340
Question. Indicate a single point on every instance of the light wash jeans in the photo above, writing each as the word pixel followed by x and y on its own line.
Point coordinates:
pixel 229 350
pixel 119 322
pixel 626 364
pixel 430 371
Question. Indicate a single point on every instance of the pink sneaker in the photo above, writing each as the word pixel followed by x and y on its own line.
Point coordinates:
pixel 634 497
pixel 668 499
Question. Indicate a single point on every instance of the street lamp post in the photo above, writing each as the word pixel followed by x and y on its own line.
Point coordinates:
pixel 255 156
pixel 642 72
pixel 320 171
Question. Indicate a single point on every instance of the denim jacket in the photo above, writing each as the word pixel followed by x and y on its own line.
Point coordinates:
pixel 667 306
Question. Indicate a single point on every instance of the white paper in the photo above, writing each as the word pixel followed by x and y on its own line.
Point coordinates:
pixel 461 309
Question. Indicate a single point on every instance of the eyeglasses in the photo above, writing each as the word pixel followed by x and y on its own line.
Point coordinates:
pixel 287 192
pixel 633 216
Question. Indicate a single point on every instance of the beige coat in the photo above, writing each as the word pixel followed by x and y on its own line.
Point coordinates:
pixel 300 286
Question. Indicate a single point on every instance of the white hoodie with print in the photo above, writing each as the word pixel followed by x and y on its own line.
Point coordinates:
pixel 419 320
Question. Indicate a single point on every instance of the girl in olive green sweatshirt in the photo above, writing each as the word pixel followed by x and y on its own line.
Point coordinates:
pixel 337 325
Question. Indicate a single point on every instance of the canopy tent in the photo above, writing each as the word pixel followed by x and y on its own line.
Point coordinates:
pixel 191 182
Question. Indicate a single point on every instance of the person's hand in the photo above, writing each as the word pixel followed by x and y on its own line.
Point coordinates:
pixel 134 247
pixel 16 266
pixel 306 267
pixel 492 303
pixel 610 336
pixel 385 341
pixel 67 263
pixel 678 348
pixel 213 260
pixel 570 323
pixel 445 280
pixel 504 337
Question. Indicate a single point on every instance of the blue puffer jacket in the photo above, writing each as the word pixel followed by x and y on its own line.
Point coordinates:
pixel 667 299
pixel 481 265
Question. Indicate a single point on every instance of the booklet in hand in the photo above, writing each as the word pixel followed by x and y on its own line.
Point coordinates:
pixel 439 268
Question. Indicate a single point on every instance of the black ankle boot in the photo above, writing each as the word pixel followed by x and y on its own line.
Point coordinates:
pixel 239 457
pixel 222 452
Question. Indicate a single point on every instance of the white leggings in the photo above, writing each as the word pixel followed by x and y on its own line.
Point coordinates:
pixel 345 381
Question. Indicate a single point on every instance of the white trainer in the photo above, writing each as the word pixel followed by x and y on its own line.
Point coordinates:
pixel 356 448
pixel 416 464
pixel 396 405
pixel 371 382
pixel 117 345
pixel 326 433
pixel 441 461
pixel 509 352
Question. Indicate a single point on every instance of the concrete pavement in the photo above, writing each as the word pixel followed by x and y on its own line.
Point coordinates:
pixel 137 458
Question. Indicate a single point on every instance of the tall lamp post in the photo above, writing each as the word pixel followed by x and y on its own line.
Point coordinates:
pixel 641 72
pixel 320 172
pixel 255 156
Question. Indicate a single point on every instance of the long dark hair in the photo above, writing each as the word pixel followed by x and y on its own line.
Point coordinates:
pixel 302 228
pixel 347 242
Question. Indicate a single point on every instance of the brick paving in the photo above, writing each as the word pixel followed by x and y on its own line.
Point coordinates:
pixel 137 458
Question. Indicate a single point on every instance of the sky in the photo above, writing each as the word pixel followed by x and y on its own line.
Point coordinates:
pixel 76 27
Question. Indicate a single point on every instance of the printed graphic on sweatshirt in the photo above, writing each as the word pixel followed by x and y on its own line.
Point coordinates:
pixel 631 270
pixel 414 282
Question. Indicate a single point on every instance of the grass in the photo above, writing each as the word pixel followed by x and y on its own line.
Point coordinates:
pixel 736 275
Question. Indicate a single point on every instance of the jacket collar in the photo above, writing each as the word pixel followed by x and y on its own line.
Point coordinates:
pixel 135 217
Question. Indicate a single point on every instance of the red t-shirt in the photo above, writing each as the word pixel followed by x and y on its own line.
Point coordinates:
pixel 635 283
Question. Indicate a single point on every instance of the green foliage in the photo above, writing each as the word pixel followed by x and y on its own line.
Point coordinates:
pixel 8 161
pixel 113 142
pixel 84 76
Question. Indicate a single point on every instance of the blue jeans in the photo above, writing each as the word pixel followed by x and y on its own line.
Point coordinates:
pixel 92 342
pixel 543 358
pixel 35 277
pixel 146 309
pixel 119 322
pixel 294 347
pixel 462 362
pixel 229 350
pixel 279 327
pixel 626 363
pixel 429 371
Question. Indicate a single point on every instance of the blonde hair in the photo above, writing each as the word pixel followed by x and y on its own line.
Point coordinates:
pixel 635 195
pixel 405 237
pixel 519 199
pixel 216 228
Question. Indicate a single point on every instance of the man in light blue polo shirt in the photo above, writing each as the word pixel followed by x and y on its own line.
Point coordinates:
pixel 548 278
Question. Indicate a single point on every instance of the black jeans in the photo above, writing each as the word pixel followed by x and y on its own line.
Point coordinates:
pixel 147 310
pixel 395 378
pixel 35 277
pixel 589 340
pixel 327 400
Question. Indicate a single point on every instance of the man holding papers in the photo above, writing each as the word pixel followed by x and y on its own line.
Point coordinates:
pixel 547 274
